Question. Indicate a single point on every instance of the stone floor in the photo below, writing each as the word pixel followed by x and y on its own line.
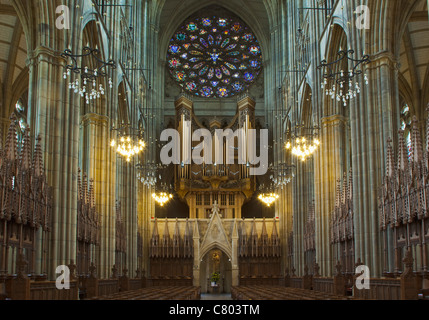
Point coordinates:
pixel 213 297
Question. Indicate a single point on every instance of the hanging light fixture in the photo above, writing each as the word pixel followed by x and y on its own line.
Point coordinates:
pixel 343 85
pixel 130 142
pixel 267 195
pixel 148 173
pixel 304 142
pixel 86 85
pixel 283 174
pixel 268 198
pixel 164 196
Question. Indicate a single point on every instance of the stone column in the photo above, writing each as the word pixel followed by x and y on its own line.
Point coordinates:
pixel 197 259
pixel 330 161
pixel 234 260
pixel 100 163
pixel 372 123
pixel 54 115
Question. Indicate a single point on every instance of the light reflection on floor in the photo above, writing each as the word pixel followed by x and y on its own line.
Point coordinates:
pixel 221 297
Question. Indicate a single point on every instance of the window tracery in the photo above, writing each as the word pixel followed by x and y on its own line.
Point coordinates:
pixel 214 56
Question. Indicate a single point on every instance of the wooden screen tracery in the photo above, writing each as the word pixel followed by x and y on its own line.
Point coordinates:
pixel 121 238
pixel 310 236
pixel 342 225
pixel 88 225
pixel 25 206
pixel 171 257
pixel 403 204
pixel 259 256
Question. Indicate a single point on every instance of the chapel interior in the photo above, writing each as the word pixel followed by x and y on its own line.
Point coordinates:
pixel 186 149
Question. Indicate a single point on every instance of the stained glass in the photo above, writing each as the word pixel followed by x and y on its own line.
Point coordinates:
pixel 220 54
pixel 248 37
pixel 254 50
pixel 203 70
pixel 236 27
pixel 181 36
pixel 191 86
pixel 199 65
pixel 226 71
pixel 231 66
pixel 211 73
pixel 206 91
pixel 204 43
pixel 180 76
pixel 254 64
pixel 248 76
pixel 174 63
pixel 222 92
pixel 232 46
pixel 225 43
pixel 222 22
pixel 237 86
pixel 206 22
pixel 174 49
pixel 192 27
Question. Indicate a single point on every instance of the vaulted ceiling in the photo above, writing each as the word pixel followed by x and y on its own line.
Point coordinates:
pixel 174 12
pixel 414 54
pixel 13 47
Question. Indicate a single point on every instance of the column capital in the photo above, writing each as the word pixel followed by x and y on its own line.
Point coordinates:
pixel 383 57
pixel 93 118
pixel 333 119
pixel 46 54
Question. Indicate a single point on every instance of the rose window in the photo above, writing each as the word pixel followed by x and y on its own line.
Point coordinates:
pixel 214 56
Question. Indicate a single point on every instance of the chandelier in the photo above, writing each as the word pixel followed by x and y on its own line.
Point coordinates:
pixel 305 144
pixel 267 194
pixel 129 144
pixel 268 198
pixel 162 198
pixel 87 86
pixel 148 173
pixel 344 83
pixel 283 174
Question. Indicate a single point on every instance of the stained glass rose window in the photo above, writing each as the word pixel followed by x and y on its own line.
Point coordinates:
pixel 214 56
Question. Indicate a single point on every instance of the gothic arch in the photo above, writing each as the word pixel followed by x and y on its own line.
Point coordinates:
pixel 14 40
pixel 123 105
pixel 337 40
pixel 185 9
pixel 216 245
pixel 92 37
pixel 307 106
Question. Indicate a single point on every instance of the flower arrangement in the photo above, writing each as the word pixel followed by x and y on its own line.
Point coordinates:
pixel 215 277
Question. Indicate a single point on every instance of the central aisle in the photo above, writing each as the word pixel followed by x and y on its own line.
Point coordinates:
pixel 215 297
